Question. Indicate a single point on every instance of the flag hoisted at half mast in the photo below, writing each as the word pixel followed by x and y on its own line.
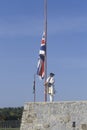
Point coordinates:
pixel 41 60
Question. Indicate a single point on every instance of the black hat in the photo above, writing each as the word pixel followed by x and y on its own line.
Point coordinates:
pixel 52 74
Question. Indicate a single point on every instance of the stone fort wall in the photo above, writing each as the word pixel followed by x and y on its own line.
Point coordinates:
pixel 55 116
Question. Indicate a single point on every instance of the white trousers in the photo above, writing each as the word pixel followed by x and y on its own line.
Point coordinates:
pixel 51 98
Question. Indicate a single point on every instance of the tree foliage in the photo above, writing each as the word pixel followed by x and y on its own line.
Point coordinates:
pixel 11 113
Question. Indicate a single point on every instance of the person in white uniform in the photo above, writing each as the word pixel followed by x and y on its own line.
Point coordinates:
pixel 50 86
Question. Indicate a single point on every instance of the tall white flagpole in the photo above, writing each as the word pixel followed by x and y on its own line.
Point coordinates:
pixel 45 29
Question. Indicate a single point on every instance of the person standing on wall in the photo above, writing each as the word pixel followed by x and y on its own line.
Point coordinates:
pixel 50 86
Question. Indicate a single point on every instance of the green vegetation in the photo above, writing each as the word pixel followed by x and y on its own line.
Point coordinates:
pixel 10 118
pixel 11 113
pixel 9 128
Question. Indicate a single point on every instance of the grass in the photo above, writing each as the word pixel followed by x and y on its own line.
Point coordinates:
pixel 9 128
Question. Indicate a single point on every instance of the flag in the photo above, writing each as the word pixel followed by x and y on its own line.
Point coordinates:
pixel 41 60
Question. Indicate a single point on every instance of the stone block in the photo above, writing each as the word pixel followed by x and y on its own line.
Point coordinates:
pixel 84 126
pixel 54 116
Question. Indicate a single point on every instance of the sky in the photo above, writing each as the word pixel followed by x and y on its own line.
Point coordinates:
pixel 21 28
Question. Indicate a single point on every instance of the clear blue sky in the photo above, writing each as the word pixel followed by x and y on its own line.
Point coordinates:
pixel 21 28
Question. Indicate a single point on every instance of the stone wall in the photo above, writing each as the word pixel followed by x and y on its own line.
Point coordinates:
pixel 55 116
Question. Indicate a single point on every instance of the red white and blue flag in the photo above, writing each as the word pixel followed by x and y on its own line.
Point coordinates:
pixel 41 60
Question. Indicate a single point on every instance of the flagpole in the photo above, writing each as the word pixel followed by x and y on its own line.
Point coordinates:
pixel 34 88
pixel 45 29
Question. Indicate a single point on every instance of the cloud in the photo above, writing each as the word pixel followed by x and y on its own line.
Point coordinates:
pixel 67 24
pixel 74 63
pixel 19 26
pixel 16 26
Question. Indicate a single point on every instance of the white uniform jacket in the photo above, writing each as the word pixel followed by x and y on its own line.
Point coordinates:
pixel 50 81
